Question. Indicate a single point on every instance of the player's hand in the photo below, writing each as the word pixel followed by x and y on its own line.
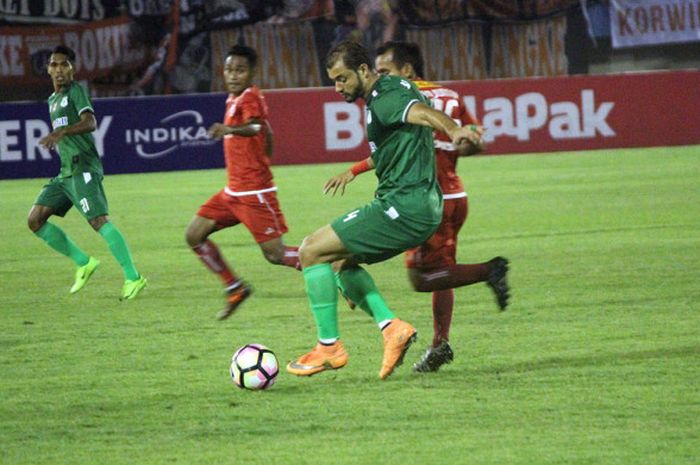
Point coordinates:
pixel 464 136
pixel 338 182
pixel 51 139
pixel 218 131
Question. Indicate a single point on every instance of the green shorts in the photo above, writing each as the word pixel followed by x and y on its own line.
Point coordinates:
pixel 84 190
pixel 379 230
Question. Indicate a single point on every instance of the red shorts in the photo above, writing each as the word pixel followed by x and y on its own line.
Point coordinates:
pixel 260 213
pixel 440 250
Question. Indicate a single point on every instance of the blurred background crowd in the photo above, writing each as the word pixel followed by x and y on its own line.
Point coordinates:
pixel 145 47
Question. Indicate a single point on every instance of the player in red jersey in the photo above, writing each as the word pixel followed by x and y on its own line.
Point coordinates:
pixel 433 267
pixel 250 195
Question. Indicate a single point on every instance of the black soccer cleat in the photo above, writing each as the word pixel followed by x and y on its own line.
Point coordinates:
pixel 434 358
pixel 497 281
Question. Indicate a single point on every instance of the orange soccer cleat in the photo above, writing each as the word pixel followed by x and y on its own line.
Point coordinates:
pixel 398 337
pixel 234 299
pixel 322 357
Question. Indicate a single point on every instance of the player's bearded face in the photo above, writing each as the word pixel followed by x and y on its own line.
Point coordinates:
pixel 348 82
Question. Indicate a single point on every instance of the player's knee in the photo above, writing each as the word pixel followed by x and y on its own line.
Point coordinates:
pixel 35 220
pixel 307 253
pixel 34 223
pixel 418 281
pixel 193 237
pixel 98 222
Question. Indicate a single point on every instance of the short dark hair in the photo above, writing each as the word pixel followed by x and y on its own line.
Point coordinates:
pixel 248 53
pixel 63 50
pixel 404 52
pixel 353 55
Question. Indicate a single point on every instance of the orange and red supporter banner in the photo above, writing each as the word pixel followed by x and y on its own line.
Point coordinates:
pixel 100 47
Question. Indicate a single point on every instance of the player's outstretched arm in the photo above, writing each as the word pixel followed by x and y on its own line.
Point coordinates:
pixel 341 180
pixel 86 124
pixel 423 115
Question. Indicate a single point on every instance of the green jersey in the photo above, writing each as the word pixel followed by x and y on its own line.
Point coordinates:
pixel 407 207
pixel 78 153
pixel 403 153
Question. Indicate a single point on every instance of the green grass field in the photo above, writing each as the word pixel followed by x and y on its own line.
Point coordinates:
pixel 597 361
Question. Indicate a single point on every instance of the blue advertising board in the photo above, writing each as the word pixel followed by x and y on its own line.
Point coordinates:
pixel 133 135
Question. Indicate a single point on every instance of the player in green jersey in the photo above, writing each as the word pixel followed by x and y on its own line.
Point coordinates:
pixel 406 210
pixel 79 182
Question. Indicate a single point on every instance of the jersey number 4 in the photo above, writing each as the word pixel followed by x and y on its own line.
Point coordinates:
pixel 351 216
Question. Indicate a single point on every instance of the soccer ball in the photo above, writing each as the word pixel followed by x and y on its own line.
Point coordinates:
pixel 254 367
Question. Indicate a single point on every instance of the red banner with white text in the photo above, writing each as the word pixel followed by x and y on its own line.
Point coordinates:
pixel 147 134
pixel 520 115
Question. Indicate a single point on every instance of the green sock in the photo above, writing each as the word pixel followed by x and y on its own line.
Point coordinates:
pixel 119 249
pixel 323 296
pixel 359 286
pixel 342 288
pixel 61 243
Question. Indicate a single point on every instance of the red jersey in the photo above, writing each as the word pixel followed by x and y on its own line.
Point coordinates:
pixel 447 101
pixel 247 160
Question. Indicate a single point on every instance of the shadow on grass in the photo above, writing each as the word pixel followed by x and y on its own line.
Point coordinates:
pixel 585 232
pixel 615 358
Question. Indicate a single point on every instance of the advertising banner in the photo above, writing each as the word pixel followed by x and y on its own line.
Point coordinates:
pixel 99 46
pixel 316 126
pixel 133 135
pixel 646 22
pixel 521 115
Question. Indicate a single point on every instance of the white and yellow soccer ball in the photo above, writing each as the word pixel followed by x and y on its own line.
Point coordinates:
pixel 254 367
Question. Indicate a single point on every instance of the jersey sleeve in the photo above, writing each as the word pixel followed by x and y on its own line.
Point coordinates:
pixel 391 105
pixel 81 100
pixel 252 107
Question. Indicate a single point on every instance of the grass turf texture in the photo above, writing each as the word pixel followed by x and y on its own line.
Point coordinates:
pixel 596 360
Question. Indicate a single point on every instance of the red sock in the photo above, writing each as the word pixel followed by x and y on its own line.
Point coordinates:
pixel 209 254
pixel 291 257
pixel 443 303
pixel 454 276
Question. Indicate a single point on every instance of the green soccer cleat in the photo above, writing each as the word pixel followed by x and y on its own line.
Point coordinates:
pixel 83 273
pixel 132 288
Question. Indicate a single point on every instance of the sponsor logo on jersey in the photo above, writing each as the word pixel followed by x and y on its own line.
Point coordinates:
pixel 60 122
pixel 181 129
